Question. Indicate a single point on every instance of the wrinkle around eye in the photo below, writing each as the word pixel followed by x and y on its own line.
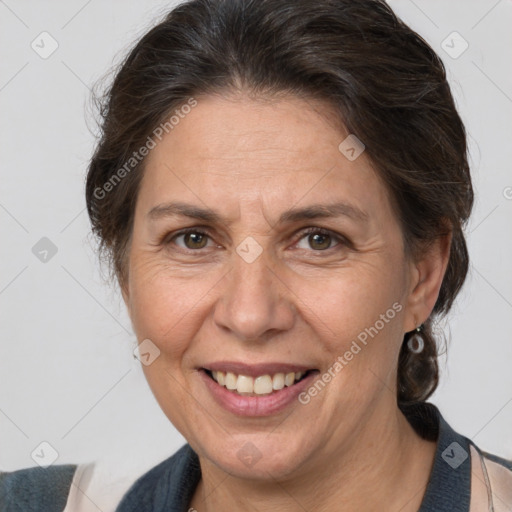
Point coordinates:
pixel 170 241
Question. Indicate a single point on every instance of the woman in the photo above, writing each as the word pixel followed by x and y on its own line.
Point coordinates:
pixel 283 250
pixel 281 187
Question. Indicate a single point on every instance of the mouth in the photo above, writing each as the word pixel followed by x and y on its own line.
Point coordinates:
pixel 257 390
pixel 259 385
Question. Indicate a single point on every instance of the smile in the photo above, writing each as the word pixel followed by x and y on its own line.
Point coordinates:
pixel 254 386
pixel 257 389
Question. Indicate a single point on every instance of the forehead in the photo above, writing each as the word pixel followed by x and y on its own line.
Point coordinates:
pixel 229 151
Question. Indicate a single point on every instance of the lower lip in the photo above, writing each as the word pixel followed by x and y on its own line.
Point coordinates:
pixel 256 406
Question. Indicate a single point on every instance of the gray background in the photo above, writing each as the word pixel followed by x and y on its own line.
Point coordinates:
pixel 67 374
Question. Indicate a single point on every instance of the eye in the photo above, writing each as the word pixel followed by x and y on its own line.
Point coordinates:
pixel 319 239
pixel 192 239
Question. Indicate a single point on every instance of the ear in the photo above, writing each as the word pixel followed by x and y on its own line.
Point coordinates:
pixel 427 271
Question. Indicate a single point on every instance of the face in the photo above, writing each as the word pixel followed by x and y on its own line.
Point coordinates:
pixel 292 261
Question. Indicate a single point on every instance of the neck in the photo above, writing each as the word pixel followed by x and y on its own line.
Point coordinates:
pixel 384 466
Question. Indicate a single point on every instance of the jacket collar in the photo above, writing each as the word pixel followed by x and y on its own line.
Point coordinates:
pixel 449 486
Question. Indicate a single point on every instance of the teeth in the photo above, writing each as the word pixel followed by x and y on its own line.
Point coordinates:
pixel 261 385
pixel 245 384
pixel 278 381
pixel 231 380
pixel 289 379
pixel 220 377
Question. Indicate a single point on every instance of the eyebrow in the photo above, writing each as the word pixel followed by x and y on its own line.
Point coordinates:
pixel 315 211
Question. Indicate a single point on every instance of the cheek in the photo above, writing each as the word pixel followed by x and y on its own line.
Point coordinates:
pixel 167 310
pixel 347 302
pixel 358 318
pixel 164 305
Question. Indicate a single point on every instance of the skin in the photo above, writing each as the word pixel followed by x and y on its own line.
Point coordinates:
pixel 349 448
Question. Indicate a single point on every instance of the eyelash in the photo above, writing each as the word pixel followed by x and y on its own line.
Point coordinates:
pixel 308 231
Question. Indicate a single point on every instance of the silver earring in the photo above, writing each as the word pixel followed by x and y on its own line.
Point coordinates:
pixel 415 342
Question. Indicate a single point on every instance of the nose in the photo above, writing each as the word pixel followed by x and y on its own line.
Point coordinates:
pixel 255 303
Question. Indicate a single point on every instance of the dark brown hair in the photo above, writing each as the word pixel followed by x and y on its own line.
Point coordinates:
pixel 384 81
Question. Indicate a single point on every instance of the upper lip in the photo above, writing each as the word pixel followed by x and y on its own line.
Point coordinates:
pixel 254 370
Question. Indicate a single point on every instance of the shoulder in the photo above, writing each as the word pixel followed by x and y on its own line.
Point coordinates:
pixel 36 488
pixel 491 458
pixel 167 486
pixel 491 482
pixel 464 478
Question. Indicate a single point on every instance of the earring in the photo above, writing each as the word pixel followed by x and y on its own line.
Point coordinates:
pixel 415 342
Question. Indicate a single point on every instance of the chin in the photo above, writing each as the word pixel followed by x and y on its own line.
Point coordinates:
pixel 255 456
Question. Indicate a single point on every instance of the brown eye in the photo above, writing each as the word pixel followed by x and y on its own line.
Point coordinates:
pixel 195 240
pixel 319 241
pixel 192 240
